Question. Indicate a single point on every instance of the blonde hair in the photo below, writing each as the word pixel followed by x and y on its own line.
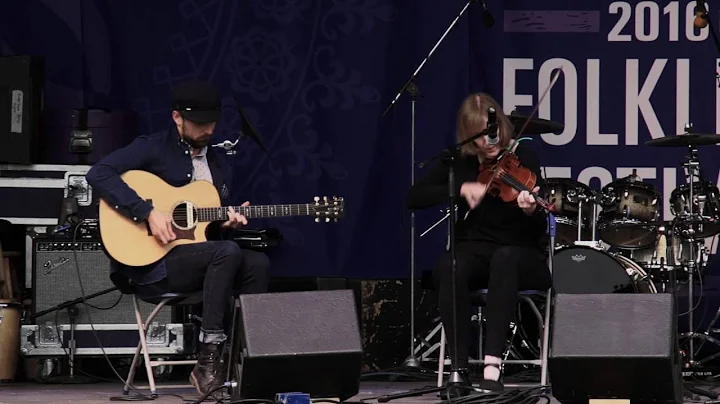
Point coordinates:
pixel 472 117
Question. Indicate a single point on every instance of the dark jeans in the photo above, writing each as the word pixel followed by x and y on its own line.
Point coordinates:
pixel 503 271
pixel 219 269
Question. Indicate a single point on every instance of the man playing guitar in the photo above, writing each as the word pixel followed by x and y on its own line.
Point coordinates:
pixel 179 156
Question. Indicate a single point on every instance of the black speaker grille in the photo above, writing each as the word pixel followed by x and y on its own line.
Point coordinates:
pixel 613 325
pixel 615 346
pixel 300 341
pixel 56 282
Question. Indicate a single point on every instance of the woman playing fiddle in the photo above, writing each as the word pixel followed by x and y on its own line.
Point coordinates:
pixel 500 246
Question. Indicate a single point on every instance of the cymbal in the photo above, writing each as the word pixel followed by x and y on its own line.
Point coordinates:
pixel 685 140
pixel 536 126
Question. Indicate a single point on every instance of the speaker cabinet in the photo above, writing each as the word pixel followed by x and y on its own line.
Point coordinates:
pixel 22 83
pixel 297 342
pixel 615 346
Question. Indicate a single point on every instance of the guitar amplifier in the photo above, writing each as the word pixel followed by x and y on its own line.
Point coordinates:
pixel 56 261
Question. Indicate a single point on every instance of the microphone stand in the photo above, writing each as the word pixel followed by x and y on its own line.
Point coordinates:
pixel 449 156
pixel 412 89
pixel 246 129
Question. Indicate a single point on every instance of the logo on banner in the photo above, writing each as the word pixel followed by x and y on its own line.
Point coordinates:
pixel 631 72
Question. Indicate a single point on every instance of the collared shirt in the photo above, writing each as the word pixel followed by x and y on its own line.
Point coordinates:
pixel 166 155
pixel 201 169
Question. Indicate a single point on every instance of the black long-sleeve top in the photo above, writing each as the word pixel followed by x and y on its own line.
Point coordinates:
pixel 492 220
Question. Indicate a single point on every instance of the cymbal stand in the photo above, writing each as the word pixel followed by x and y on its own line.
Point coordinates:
pixel 692 166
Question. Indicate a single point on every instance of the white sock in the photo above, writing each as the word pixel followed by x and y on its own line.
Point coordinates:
pixel 491 372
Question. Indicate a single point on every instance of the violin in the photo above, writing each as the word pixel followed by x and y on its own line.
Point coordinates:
pixel 506 178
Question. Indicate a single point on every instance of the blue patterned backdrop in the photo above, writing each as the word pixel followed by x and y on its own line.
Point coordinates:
pixel 316 75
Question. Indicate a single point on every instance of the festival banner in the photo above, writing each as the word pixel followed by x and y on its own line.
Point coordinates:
pixel 631 72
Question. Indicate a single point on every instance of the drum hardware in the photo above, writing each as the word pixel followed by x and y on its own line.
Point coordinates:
pixel 598 245
pixel 686 216
pixel 570 199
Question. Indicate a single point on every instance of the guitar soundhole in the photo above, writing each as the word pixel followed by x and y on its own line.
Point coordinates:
pixel 184 215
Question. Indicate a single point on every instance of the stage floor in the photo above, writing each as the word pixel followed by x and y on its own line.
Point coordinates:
pixel 101 393
pixel 34 393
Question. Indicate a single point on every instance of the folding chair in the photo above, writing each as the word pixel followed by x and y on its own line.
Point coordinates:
pixel 166 299
pixel 526 296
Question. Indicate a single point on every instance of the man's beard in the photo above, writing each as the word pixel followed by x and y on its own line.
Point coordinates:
pixel 197 143
pixel 194 143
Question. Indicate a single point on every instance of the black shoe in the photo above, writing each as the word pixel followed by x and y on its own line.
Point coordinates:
pixel 206 375
pixel 491 386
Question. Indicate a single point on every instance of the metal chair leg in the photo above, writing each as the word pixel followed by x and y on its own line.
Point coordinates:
pixel 546 341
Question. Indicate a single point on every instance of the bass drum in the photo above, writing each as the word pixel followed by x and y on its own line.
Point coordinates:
pixel 585 270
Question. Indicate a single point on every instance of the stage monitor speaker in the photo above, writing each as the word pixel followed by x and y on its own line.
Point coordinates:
pixel 22 82
pixel 621 346
pixel 305 342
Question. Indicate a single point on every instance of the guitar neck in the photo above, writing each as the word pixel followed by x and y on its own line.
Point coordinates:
pixel 256 212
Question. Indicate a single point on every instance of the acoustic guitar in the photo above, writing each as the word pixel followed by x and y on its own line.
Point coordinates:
pixel 191 208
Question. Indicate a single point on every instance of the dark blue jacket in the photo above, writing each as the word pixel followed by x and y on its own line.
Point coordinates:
pixel 167 156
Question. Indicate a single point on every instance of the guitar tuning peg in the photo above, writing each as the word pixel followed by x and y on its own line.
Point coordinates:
pixel 327 220
pixel 325 198
pixel 317 220
pixel 316 199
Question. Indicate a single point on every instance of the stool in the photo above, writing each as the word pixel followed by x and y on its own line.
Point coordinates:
pixel 169 299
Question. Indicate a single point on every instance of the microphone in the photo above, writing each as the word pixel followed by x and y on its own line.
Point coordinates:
pixel 228 145
pixel 492 127
pixel 700 14
pixel 487 17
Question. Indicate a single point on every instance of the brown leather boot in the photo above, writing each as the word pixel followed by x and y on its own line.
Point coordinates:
pixel 207 372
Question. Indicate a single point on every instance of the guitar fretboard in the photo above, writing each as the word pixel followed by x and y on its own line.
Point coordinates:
pixel 259 211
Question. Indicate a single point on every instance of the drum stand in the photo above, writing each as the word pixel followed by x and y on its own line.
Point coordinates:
pixel 593 198
pixel 693 167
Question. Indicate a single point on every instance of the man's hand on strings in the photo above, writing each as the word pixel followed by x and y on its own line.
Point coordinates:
pixel 235 219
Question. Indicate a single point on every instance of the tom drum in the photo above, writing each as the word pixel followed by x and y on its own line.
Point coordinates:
pixel 629 218
pixel 702 224
pixel 566 196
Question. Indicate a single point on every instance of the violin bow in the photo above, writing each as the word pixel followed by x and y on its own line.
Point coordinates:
pixel 515 142
pixel 535 109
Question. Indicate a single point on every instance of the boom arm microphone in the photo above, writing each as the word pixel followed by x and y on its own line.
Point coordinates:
pixel 492 127
pixel 228 145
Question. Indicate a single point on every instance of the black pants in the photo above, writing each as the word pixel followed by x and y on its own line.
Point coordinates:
pixel 219 269
pixel 503 271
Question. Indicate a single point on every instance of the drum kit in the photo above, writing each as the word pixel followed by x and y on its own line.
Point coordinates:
pixel 613 240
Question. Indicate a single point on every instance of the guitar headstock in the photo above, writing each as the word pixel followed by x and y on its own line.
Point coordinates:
pixel 328 209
